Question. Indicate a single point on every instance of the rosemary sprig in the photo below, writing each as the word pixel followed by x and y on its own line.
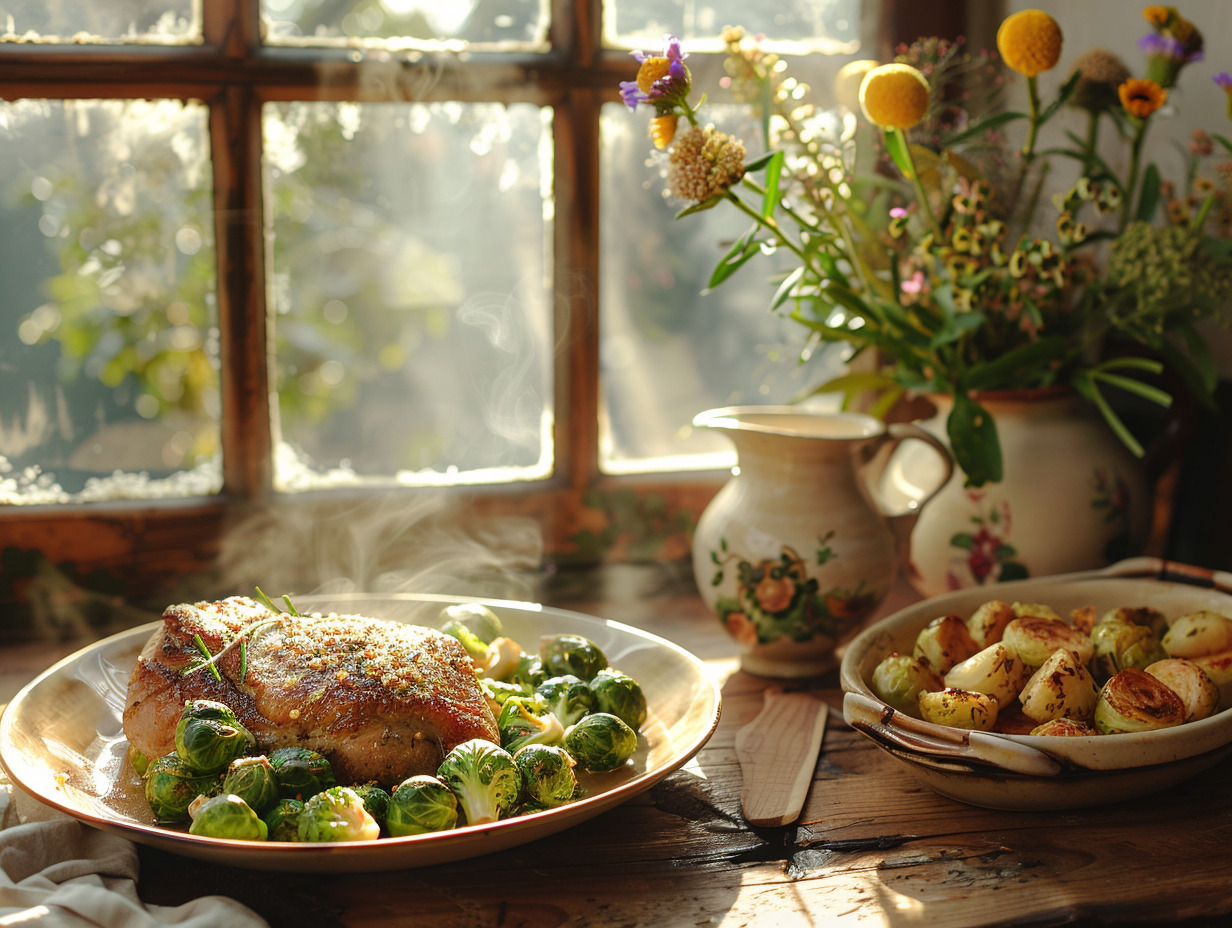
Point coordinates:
pixel 209 659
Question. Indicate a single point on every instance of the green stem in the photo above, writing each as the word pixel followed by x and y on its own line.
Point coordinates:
pixel 1135 165
pixel 920 193
pixel 1033 104
pixel 1088 154
pixel 768 223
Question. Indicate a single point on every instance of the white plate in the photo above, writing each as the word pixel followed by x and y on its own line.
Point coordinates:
pixel 62 741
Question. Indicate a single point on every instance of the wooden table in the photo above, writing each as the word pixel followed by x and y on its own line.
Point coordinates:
pixel 872 846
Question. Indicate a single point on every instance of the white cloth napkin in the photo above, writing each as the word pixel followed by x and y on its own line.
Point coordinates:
pixel 58 873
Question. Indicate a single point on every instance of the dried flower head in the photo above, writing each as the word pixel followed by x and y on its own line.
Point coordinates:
pixel 1030 42
pixel 1102 73
pixel 1141 97
pixel 894 96
pixel 704 163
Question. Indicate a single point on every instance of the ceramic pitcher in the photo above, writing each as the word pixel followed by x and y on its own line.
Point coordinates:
pixel 801 545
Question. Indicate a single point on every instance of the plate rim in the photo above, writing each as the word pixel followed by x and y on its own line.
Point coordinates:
pixel 398 852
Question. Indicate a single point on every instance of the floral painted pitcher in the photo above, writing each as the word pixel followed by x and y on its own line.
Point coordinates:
pixel 799 547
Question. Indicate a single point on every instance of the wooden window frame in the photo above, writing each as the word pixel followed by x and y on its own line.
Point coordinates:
pixel 149 546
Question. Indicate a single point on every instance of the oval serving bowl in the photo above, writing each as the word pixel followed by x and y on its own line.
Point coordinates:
pixel 1024 772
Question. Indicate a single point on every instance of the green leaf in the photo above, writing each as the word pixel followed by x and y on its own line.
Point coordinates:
pixel 963 540
pixel 745 248
pixel 1224 142
pixel 1085 383
pixel 774 171
pixel 978 128
pixel 956 327
pixel 760 161
pixel 1062 97
pixel 974 442
pixel 1010 369
pixel 783 293
pixel 702 206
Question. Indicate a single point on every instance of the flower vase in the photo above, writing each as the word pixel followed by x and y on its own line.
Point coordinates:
pixel 798 548
pixel 1072 497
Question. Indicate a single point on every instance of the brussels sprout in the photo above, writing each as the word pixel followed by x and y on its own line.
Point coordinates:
pixel 1189 681
pixel 376 801
pixel 141 763
pixel 1064 728
pixel 1155 620
pixel 548 779
pixel 419 805
pixel 1120 645
pixel 600 741
pixel 1036 610
pixel 228 816
pixel 1133 700
pixel 944 642
pixel 171 784
pixel 527 720
pixel 254 781
pixel 529 672
pixel 1197 634
pixel 900 678
pixel 571 654
pixel 301 772
pixel 619 694
pixel 282 821
pixel 1062 688
pixel 995 671
pixel 568 697
pixel 476 618
pixel 474 645
pixel 484 779
pixel 1034 638
pixel 208 736
pixel 987 623
pixel 337 814
pixel 960 709
pixel 497 691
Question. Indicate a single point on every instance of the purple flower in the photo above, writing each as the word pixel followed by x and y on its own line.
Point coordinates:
pixel 661 79
pixel 1224 80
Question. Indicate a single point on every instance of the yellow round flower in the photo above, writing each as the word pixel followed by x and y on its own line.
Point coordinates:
pixel 848 80
pixel 894 96
pixel 1141 98
pixel 1030 42
pixel 1158 16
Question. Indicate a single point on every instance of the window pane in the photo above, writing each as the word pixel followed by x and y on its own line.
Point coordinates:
pixel 830 25
pixel 410 278
pixel 668 350
pixel 109 361
pixel 407 22
pixel 166 21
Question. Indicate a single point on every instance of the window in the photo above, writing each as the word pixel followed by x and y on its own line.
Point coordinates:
pixel 303 256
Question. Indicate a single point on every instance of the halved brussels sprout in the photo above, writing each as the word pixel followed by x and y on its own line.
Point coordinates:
pixel 1189 681
pixel 600 741
pixel 301 772
pixel 208 735
pixel 1065 728
pixel 141 763
pixel 944 642
pixel 375 799
pixel 1198 633
pixel 337 814
pixel 621 695
pixel 1153 619
pixel 282 821
pixel 548 779
pixel 987 623
pixel 568 697
pixel 420 805
pixel 254 781
pixel 227 816
pixel 1034 639
pixel 1133 700
pixel 995 671
pixel 527 720
pixel 171 784
pixel 1119 645
pixel 1061 688
pixel 960 709
pixel 900 678
pixel 484 779
pixel 571 654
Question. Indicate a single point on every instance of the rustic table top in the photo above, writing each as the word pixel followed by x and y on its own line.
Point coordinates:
pixel 872 846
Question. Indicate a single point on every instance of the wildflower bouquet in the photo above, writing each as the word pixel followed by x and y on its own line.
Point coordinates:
pixel 920 233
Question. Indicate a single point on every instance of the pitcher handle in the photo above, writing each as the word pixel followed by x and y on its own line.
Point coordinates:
pixel 901 523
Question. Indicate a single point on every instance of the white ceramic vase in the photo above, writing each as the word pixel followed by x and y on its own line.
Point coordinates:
pixel 1072 497
pixel 798 548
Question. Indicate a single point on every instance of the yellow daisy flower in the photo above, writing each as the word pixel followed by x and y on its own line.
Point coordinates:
pixel 894 96
pixel 1030 42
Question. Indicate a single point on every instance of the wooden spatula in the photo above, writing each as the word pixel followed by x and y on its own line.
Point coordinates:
pixel 777 753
